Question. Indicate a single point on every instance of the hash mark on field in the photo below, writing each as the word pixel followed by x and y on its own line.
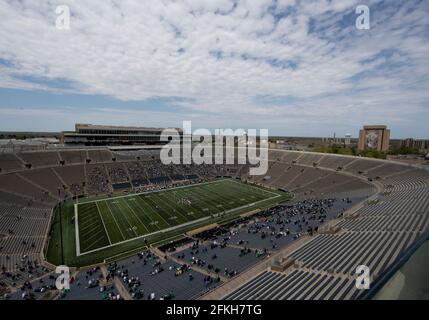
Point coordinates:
pixel 138 218
pixel 166 202
pixel 144 211
pixel 93 235
pixel 153 210
pixel 88 226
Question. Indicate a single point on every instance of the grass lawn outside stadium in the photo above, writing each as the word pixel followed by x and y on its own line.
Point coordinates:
pixel 96 230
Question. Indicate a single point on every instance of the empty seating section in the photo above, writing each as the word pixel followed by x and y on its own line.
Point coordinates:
pixel 40 159
pixel 409 180
pixel 406 207
pixel 289 157
pixel 335 162
pixel 362 165
pixel 386 223
pixel 274 155
pixel 74 177
pixel 14 183
pixel 327 181
pixel 309 159
pixel 306 177
pixel 47 179
pixel 123 156
pixel 145 155
pixel 20 211
pixel 379 232
pixel 22 233
pixel 296 285
pixel 343 253
pixel 275 171
pixel 348 188
pixel 10 198
pixel 291 172
pixel 9 162
pixel 13 227
pixel 100 155
pixel 386 170
pixel 73 157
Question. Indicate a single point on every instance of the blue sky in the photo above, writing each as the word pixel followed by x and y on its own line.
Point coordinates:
pixel 298 68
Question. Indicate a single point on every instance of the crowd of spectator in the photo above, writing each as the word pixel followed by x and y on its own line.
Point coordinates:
pixel 117 173
pixel 97 180
pixel 136 275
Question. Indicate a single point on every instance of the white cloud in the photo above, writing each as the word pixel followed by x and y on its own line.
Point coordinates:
pixel 134 50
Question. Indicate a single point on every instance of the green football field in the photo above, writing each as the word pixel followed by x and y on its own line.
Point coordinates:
pixel 108 222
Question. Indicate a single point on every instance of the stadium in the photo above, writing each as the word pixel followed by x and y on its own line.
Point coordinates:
pixel 202 158
pixel 130 227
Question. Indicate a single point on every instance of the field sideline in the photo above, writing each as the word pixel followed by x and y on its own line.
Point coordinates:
pixel 104 223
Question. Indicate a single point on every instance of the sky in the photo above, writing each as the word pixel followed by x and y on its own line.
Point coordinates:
pixel 296 67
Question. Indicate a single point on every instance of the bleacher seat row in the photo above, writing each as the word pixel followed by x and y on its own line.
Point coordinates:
pixel 376 236
pixel 31 183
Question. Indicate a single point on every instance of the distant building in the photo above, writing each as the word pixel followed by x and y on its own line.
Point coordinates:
pixel 89 134
pixel 419 144
pixel 348 139
pixel 374 137
pixel 16 145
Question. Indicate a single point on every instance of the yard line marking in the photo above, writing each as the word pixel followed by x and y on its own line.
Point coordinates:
pixel 89 247
pixel 111 213
pixel 207 197
pixel 144 226
pixel 174 210
pixel 149 193
pixel 195 204
pixel 98 210
pixel 76 226
pixel 94 234
pixel 126 218
pixel 88 225
pixel 138 203
pixel 202 194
